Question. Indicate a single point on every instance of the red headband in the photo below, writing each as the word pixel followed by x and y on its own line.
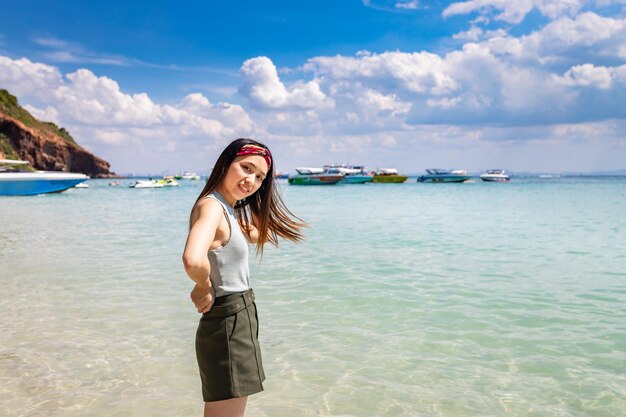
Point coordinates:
pixel 256 150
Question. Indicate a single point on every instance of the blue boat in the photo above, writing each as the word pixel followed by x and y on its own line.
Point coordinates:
pixel 15 181
pixel 444 175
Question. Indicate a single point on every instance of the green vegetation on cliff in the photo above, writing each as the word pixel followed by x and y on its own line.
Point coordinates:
pixel 10 106
pixel 6 148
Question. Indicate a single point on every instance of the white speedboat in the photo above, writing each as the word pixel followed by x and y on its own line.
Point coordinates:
pixel 16 181
pixel 495 175
pixel 147 184
pixel 190 176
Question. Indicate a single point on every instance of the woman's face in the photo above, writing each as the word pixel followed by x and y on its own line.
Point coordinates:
pixel 244 177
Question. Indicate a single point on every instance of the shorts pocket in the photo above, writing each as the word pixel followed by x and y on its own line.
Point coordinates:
pixel 231 325
pixel 256 318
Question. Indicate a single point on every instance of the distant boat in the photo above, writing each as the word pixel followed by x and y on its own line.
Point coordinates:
pixel 314 176
pixel 189 176
pixel 168 182
pixel 147 184
pixel 16 181
pixel 389 175
pixel 444 175
pixel 81 185
pixel 495 175
pixel 353 174
pixel 281 175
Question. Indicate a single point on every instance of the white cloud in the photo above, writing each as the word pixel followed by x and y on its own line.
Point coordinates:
pixel 294 124
pixel 99 111
pixel 228 114
pixel 51 42
pixel 111 137
pixel 376 103
pixel 93 100
pixel 513 11
pixel 418 72
pixel 587 29
pixel 444 103
pixel 588 75
pixel 409 5
pixel 603 3
pixel 597 130
pixel 510 11
pixel 23 77
pixel 475 34
pixel 264 89
pixel 557 8
pixel 74 58
pixel 49 114
pixel 70 52
pixel 393 6
pixel 503 80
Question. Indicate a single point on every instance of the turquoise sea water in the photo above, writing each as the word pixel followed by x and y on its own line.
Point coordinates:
pixel 473 299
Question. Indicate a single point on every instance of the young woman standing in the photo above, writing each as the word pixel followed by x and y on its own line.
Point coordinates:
pixel 239 205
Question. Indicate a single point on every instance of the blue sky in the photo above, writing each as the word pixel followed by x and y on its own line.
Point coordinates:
pixel 155 86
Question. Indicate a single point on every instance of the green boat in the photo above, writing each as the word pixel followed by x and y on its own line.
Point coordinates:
pixel 389 175
pixel 314 176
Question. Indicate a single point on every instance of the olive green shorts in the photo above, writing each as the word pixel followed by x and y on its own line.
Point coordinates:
pixel 227 348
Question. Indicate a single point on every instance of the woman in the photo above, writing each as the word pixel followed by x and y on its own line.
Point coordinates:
pixel 238 205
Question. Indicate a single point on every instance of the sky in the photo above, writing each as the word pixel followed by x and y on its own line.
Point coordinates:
pixel 158 87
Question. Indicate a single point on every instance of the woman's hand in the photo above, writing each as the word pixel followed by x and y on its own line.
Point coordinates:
pixel 203 297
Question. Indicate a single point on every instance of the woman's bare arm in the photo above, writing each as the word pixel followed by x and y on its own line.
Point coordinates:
pixel 205 221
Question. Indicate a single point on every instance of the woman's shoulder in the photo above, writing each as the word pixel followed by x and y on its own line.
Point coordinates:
pixel 208 206
pixel 210 201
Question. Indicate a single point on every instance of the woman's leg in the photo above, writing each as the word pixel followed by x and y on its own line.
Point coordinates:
pixel 233 407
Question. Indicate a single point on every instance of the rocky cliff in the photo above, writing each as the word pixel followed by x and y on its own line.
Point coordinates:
pixel 43 144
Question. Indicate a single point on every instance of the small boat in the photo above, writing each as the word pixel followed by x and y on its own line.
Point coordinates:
pixel 389 175
pixel 19 181
pixel 495 175
pixel 81 185
pixel 190 176
pixel 444 175
pixel 168 182
pixel 314 176
pixel 353 174
pixel 550 175
pixel 281 175
pixel 147 184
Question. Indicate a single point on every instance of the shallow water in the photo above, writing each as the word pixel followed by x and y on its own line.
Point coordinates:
pixel 451 300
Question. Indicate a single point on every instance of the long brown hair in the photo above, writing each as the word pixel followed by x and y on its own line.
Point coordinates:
pixel 273 218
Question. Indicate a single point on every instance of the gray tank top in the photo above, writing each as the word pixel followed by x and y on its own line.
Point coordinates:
pixel 229 263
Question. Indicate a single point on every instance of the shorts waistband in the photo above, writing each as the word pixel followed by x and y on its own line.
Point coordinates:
pixel 230 304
